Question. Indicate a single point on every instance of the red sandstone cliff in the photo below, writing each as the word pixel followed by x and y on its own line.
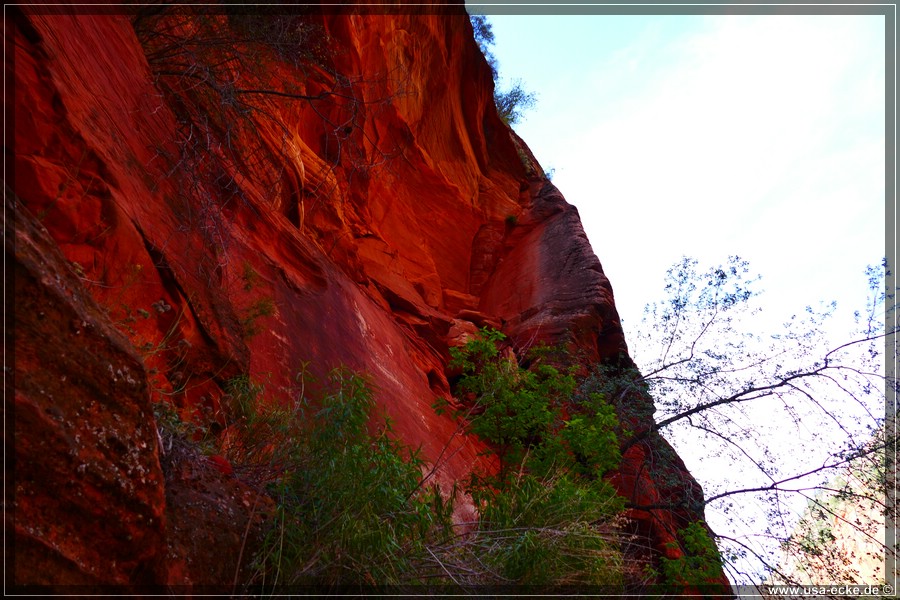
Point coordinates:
pixel 172 225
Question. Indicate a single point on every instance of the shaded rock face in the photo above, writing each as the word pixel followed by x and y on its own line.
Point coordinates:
pixel 87 497
pixel 171 235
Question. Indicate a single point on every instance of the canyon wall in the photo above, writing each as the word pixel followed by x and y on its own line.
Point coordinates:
pixel 182 211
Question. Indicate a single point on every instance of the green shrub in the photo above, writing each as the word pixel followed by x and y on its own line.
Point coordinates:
pixel 520 412
pixel 591 438
pixel 350 509
pixel 513 405
pixel 548 517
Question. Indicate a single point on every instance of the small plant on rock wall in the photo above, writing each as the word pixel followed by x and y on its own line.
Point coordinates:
pixel 262 307
pixel 700 564
pixel 171 427
pixel 257 309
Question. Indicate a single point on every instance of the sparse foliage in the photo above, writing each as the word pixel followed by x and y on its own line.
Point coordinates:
pixel 513 101
pixel 738 394
pixel 840 534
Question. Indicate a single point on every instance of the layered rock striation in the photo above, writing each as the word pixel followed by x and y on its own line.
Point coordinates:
pixel 182 211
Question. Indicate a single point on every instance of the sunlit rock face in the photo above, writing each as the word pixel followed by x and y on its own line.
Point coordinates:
pixel 372 214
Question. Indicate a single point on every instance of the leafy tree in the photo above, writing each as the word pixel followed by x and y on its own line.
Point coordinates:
pixel 739 395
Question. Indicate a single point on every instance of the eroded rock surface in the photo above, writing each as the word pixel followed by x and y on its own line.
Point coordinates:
pixel 374 215
pixel 87 489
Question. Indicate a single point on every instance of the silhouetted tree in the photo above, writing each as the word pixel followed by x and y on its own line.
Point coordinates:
pixel 786 415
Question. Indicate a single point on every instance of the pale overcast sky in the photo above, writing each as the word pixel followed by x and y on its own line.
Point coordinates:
pixel 707 136
pixel 761 136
